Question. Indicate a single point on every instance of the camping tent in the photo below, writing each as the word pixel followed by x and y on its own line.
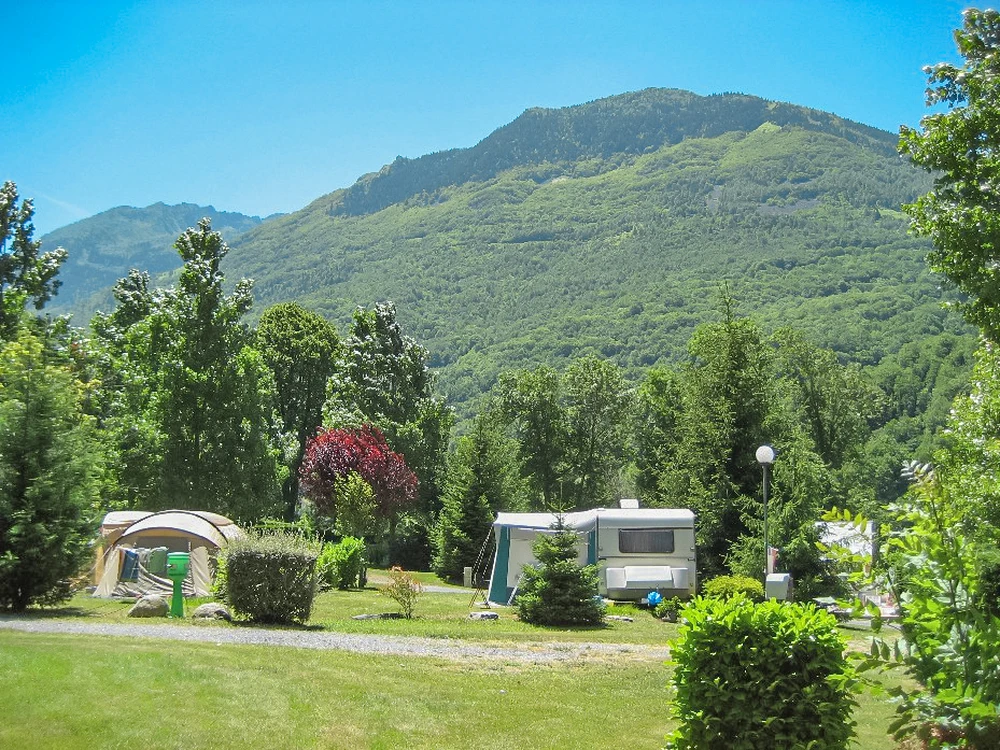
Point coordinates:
pixel 638 549
pixel 133 554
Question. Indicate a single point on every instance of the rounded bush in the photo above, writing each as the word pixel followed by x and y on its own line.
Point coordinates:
pixel 725 587
pixel 271 577
pixel 750 676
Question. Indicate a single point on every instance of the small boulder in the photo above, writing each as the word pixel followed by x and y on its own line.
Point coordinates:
pixel 151 605
pixel 212 611
pixel 484 616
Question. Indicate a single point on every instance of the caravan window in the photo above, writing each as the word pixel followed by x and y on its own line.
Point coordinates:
pixel 645 541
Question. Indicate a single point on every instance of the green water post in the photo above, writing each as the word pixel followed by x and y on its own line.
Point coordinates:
pixel 178 564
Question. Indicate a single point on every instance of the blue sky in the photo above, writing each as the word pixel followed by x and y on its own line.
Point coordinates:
pixel 261 107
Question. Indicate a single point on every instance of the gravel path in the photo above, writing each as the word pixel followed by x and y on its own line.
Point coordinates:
pixel 445 648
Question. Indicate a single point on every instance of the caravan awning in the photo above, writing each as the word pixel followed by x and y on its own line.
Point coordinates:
pixel 541 521
pixel 670 518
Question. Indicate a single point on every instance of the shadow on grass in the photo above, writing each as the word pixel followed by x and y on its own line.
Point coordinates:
pixel 47 613
pixel 296 627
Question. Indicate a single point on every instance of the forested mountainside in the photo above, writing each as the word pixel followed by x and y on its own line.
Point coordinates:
pixel 632 123
pixel 102 248
pixel 613 227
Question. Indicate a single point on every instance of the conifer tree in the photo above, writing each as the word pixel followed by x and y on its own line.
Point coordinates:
pixel 484 477
pixel 559 591
pixel 464 524
pixel 49 469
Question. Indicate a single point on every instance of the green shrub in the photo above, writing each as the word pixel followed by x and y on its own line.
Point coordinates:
pixel 771 675
pixel 559 591
pixel 271 577
pixel 668 609
pixel 343 565
pixel 220 578
pixel 726 587
pixel 402 589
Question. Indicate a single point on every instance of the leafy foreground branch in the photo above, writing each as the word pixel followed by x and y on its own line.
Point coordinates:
pixel 951 632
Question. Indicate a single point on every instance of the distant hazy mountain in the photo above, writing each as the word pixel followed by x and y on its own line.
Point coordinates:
pixel 104 247
pixel 612 227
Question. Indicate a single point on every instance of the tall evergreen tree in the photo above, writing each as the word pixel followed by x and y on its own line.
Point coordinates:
pixel 49 469
pixel 483 478
pixel 729 396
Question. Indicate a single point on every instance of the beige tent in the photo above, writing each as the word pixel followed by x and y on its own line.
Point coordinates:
pixel 134 545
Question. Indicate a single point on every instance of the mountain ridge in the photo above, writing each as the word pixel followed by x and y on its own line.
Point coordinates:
pixel 630 123
pixel 620 254
pixel 613 227
pixel 102 248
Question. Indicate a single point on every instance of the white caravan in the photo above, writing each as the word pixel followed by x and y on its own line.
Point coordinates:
pixel 638 550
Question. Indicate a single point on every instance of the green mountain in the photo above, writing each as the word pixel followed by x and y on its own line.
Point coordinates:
pixel 104 247
pixel 613 227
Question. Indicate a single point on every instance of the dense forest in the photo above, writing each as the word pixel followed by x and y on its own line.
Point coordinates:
pixel 594 233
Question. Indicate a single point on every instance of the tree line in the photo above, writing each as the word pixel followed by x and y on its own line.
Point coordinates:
pixel 173 400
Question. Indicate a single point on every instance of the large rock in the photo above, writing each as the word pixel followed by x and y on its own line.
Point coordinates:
pixel 212 611
pixel 151 605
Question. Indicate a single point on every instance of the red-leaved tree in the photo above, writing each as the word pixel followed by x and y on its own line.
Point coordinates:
pixel 333 454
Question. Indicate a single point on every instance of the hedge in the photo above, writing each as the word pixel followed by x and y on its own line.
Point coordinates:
pixel 271 577
pixel 750 676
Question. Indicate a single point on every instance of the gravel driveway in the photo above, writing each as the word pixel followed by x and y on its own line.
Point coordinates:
pixel 445 648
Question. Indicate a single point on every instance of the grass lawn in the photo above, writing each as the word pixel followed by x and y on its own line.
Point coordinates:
pixel 86 692
pixel 436 615
pixel 67 691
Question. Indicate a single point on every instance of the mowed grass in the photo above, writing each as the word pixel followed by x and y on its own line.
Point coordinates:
pixel 88 692
pixel 436 615
pixel 67 691
pixel 64 691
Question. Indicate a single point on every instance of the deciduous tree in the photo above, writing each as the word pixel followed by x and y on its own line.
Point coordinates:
pixel 598 406
pixel 961 146
pixel 301 350
pixel 334 454
pixel 529 400
pixel 26 273
pixel 191 399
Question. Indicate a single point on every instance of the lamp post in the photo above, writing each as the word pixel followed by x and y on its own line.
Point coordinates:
pixel 765 457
